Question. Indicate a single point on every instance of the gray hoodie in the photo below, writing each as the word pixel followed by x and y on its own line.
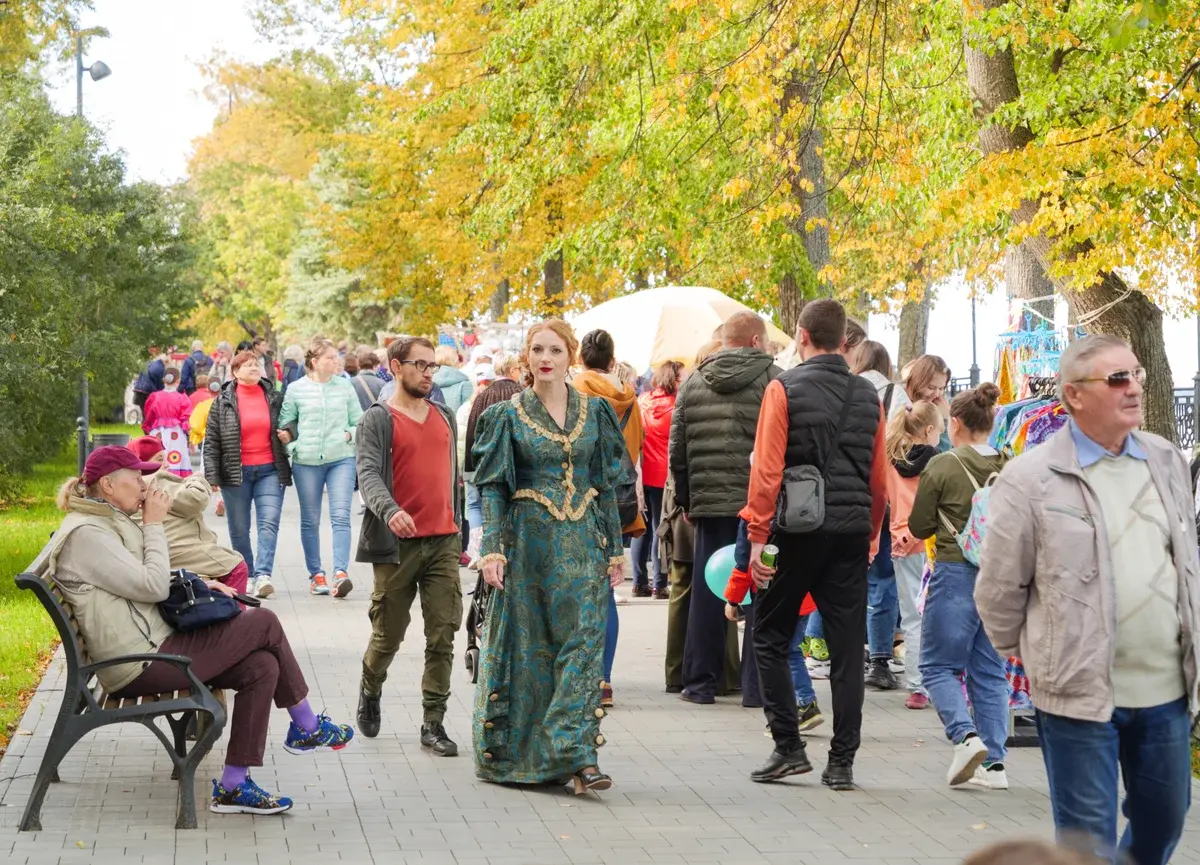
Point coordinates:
pixel 712 432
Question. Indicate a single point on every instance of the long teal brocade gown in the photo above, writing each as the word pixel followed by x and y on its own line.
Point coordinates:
pixel 550 508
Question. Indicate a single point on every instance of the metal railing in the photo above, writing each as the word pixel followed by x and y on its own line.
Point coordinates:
pixel 1185 418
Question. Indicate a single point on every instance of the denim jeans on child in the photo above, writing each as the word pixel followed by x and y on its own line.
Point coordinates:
pixel 800 678
pixel 815 631
pixel 1150 748
pixel 953 641
pixel 311 483
pixel 260 487
pixel 883 608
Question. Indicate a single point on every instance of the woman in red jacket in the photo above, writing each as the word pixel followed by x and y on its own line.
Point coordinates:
pixel 658 406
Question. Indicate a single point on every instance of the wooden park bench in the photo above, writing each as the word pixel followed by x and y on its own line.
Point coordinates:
pixel 86 707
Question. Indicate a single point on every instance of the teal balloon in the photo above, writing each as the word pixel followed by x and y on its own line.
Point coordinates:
pixel 718 570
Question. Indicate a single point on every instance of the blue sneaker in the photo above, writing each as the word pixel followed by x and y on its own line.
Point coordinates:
pixel 329 735
pixel 249 798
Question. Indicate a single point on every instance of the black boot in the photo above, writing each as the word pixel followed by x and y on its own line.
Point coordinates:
pixel 369 714
pixel 433 735
pixel 838 776
pixel 783 763
pixel 880 677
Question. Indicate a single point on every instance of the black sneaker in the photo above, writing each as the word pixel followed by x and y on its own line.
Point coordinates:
pixel 880 677
pixel 434 736
pixel 369 714
pixel 810 717
pixel 838 776
pixel 781 764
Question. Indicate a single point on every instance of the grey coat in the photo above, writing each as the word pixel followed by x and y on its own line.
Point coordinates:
pixel 376 542
pixel 713 429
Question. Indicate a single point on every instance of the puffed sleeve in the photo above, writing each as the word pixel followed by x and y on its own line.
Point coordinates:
pixel 606 471
pixel 495 474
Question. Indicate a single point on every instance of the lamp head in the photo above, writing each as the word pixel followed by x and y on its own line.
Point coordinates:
pixel 99 70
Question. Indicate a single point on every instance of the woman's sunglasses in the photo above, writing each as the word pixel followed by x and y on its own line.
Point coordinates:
pixel 1120 379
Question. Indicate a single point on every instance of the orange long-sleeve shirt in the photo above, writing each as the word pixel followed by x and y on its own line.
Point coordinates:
pixel 766 475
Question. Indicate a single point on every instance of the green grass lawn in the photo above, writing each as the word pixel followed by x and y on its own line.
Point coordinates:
pixel 27 638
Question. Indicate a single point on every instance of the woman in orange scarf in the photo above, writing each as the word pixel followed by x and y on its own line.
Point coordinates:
pixel 598 353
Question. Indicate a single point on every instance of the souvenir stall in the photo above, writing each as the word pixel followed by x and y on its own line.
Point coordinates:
pixel 1026 367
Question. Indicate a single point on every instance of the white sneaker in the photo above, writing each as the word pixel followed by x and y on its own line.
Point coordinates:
pixel 817 669
pixel 896 665
pixel 263 587
pixel 994 778
pixel 969 755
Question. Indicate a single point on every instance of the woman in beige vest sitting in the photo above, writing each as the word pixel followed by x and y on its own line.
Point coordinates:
pixel 114 573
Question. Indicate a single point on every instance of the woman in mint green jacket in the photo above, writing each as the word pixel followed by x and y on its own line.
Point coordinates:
pixel 320 412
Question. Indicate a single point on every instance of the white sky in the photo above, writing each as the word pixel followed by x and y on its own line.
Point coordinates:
pixel 152 108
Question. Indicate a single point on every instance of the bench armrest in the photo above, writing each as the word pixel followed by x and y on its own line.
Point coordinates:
pixel 180 661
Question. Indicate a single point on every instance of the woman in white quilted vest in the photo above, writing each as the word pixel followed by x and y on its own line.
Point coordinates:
pixel 114 573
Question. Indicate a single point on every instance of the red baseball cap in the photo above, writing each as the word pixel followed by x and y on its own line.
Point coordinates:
pixel 145 447
pixel 111 458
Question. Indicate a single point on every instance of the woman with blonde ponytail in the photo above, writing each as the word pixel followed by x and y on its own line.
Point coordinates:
pixel 912 439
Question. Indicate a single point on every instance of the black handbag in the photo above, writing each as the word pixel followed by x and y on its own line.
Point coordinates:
pixel 192 605
pixel 627 502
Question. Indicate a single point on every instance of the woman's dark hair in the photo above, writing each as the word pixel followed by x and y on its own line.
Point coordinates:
pixel 350 364
pixel 976 408
pixel 666 377
pixel 245 345
pixel 597 350
pixel 855 334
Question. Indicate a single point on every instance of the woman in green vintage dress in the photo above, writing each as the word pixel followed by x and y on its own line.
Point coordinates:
pixel 547 464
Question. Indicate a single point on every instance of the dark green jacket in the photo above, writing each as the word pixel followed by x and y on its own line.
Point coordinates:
pixel 712 432
pixel 946 490
pixel 376 543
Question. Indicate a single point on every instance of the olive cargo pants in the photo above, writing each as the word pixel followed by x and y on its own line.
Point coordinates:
pixel 428 566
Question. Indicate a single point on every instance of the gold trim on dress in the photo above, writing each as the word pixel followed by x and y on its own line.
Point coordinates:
pixel 562 514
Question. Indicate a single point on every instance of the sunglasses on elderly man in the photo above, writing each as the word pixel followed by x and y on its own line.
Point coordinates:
pixel 1120 379
pixel 423 366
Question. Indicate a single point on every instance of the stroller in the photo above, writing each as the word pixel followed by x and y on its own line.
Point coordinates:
pixel 476 614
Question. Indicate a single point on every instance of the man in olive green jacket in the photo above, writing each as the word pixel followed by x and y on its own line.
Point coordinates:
pixel 712 437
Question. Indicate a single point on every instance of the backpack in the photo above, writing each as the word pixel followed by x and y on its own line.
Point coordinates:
pixel 627 500
pixel 970 539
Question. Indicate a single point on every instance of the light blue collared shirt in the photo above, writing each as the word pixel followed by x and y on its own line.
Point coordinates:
pixel 1090 453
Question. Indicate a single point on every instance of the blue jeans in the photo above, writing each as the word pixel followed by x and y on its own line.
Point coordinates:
pixel 1151 748
pixel 883 604
pixel 311 483
pixel 952 642
pixel 800 678
pixel 611 631
pixel 260 487
pixel 647 570
pixel 474 507
pixel 815 630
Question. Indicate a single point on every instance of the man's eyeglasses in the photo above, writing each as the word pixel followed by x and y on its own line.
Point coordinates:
pixel 1120 379
pixel 423 365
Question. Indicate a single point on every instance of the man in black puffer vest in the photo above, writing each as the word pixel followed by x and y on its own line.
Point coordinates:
pixel 712 436
pixel 799 426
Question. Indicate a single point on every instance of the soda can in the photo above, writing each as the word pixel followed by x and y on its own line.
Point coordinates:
pixel 770 555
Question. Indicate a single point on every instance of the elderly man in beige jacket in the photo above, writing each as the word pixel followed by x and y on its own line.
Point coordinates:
pixel 1089 572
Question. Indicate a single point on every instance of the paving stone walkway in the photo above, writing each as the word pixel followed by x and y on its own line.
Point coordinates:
pixel 682 794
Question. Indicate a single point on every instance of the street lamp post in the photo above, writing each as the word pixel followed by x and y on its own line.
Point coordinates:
pixel 97 71
pixel 974 355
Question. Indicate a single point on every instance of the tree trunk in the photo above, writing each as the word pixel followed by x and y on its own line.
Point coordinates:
pixel 914 328
pixel 1026 278
pixel 808 184
pixel 992 77
pixel 499 301
pixel 791 301
pixel 553 283
pixel 640 280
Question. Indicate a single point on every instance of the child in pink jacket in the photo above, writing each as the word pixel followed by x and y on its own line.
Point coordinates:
pixel 912 440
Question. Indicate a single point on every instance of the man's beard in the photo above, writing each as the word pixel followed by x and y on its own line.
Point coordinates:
pixel 420 391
